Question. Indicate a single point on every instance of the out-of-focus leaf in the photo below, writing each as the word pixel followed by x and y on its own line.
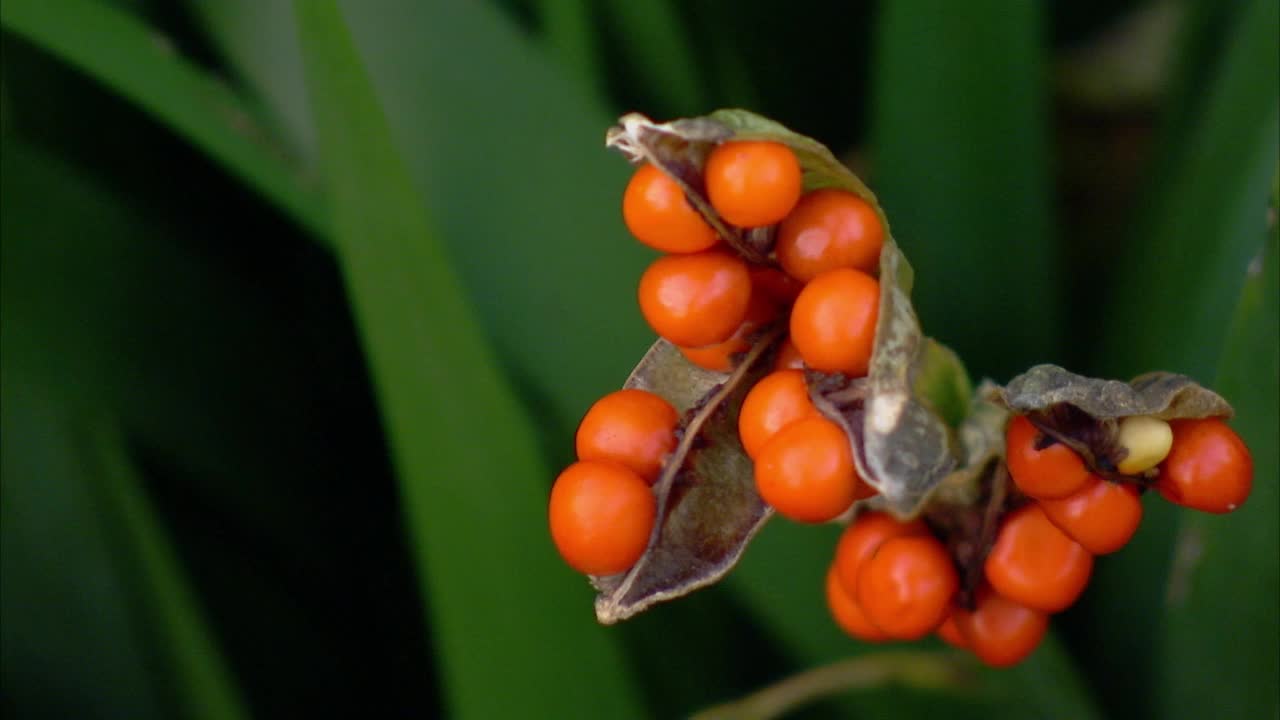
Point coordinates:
pixel 99 619
pixel 568 27
pixel 658 50
pixel 960 152
pixel 1170 293
pixel 1218 655
pixel 201 683
pixel 114 48
pixel 708 507
pixel 468 462
pixel 1176 283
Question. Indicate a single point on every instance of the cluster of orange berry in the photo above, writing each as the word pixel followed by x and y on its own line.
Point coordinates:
pixel 890 579
pixel 895 580
pixel 709 302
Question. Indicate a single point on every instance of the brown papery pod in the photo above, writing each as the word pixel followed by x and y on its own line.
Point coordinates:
pixel 1084 412
pixel 708 507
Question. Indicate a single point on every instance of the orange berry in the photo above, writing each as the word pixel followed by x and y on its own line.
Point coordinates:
pixel 777 400
pixel 1040 466
pixel 861 538
pixel 788 358
pixel 753 183
pixel 1000 631
pixel 833 323
pixel 1102 516
pixel 776 285
pixel 906 586
pixel 633 428
pixel 695 300
pixel 806 471
pixel 601 515
pixel 1209 467
pixel 950 633
pixel 657 212
pixel 829 229
pixel 848 615
pixel 721 356
pixel 1035 563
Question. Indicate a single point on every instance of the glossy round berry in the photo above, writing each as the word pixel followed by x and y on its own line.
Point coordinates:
pixel 806 471
pixel 695 300
pixel 833 323
pixel 753 183
pixel 777 400
pixel 829 229
pixel 848 615
pixel 1102 516
pixel 1000 631
pixel 601 515
pixel 658 214
pixel 862 537
pixel 1146 440
pixel 632 428
pixel 1208 469
pixel 906 586
pixel 722 356
pixel 1040 466
pixel 1035 563
pixel 950 633
pixel 788 358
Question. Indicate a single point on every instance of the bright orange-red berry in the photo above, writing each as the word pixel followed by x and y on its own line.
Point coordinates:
pixel 601 515
pixel 788 358
pixel 906 586
pixel 829 229
pixel 658 214
pixel 777 400
pixel 950 633
pixel 1102 516
pixel 776 285
pixel 861 538
pixel 1209 468
pixel 833 323
pixel 806 471
pixel 848 615
pixel 721 357
pixel 1035 563
pixel 695 300
pixel 1040 466
pixel 1000 631
pixel 753 183
pixel 633 428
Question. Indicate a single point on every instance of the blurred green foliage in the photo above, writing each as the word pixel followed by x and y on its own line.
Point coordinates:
pixel 299 304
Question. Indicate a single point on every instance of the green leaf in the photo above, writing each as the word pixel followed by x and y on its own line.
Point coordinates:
pixel 958 131
pixel 115 49
pixel 465 452
pixel 1219 639
pixel 1172 290
pixel 99 618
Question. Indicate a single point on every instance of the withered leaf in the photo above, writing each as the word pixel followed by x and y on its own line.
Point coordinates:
pixel 1084 413
pixel 708 508
pixel 1168 396
pixel 902 447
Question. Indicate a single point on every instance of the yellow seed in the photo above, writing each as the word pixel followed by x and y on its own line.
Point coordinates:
pixel 1148 441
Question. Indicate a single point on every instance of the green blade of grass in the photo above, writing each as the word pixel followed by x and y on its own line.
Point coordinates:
pixel 126 56
pixel 510 628
pixel 960 163
pixel 1221 630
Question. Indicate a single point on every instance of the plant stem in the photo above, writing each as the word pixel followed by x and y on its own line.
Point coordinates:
pixel 922 670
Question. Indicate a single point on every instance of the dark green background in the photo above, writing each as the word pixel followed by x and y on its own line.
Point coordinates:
pixel 300 306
